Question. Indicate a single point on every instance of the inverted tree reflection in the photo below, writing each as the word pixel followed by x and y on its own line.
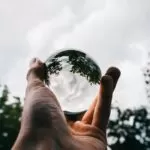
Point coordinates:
pixel 78 62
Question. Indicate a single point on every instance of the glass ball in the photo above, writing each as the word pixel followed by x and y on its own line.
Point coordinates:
pixel 74 78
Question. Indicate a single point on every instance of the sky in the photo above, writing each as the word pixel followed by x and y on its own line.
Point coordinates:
pixel 112 32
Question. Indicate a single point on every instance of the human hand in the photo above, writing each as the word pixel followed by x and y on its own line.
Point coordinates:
pixel 91 127
pixel 44 126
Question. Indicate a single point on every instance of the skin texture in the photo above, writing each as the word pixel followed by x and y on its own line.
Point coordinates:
pixel 44 126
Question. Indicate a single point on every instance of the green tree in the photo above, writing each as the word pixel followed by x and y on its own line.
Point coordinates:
pixel 9 119
pixel 130 130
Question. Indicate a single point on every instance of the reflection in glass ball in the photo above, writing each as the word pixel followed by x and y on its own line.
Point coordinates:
pixel 74 78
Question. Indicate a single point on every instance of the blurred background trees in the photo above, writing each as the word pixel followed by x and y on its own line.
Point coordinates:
pixel 9 119
pixel 130 130
pixel 146 73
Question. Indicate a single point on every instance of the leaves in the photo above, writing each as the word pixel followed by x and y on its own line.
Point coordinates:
pixel 133 126
pixel 9 120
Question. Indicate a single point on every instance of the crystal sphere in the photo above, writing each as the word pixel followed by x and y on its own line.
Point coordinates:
pixel 74 78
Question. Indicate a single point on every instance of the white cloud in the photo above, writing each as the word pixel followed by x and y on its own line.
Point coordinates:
pixel 131 87
pixel 113 32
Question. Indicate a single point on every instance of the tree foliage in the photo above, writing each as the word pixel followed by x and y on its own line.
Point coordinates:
pixel 9 120
pixel 130 130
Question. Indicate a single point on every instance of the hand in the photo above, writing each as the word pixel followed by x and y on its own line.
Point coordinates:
pixel 93 124
pixel 44 126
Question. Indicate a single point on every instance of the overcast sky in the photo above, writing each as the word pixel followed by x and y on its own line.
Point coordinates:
pixel 113 32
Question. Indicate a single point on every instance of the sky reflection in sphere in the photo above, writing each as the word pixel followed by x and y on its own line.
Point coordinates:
pixel 74 78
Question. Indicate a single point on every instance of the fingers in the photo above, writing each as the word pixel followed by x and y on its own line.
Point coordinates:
pixel 37 69
pixel 114 73
pixel 102 108
pixel 103 104
pixel 35 62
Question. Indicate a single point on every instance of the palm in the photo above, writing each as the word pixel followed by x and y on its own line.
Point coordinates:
pixel 89 136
